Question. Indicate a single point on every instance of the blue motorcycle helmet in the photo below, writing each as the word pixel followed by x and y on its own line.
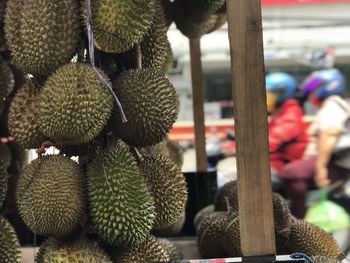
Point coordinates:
pixel 280 86
pixel 324 83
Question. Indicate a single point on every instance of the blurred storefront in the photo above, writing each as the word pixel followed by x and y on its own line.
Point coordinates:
pixel 299 36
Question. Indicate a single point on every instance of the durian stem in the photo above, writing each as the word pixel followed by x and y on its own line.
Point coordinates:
pixel 138 57
pixel 47 144
pixel 138 155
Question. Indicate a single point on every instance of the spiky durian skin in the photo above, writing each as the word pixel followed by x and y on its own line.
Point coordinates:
pixel 9 244
pixel 121 207
pixel 196 27
pixel 202 214
pixel 155 45
pixel 151 250
pixel 82 250
pixel 174 253
pixel 168 187
pixel 168 148
pixel 226 197
pixel 219 237
pixel 23 116
pixel 172 230
pixel 74 105
pixel 149 102
pixel 42 35
pixel 50 195
pixel 3 184
pixel 119 25
pixel 312 240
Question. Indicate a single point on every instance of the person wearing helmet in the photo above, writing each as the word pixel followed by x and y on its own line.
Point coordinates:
pixel 287 130
pixel 324 89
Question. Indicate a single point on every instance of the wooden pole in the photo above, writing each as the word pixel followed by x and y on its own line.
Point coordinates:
pixel 198 104
pixel 250 113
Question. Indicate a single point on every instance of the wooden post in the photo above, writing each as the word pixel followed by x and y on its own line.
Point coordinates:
pixel 198 104
pixel 249 99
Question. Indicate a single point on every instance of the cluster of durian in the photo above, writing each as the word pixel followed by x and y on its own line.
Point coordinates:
pixel 218 230
pixel 126 187
pixel 11 155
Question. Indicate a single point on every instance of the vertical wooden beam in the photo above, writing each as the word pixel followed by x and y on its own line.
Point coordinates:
pixel 198 104
pixel 249 99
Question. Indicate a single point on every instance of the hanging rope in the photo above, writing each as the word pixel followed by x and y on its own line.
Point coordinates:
pixel 92 59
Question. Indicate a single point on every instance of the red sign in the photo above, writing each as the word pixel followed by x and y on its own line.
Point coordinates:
pixel 291 2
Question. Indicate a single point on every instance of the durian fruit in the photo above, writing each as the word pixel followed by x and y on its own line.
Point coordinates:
pixel 151 250
pixel 202 214
pixel 9 244
pixel 172 230
pixel 5 155
pixel 82 250
pixel 168 187
pixel 119 25
pixel 219 237
pixel 121 207
pixel 74 105
pixel 226 197
pixel 23 116
pixel 168 148
pixel 196 18
pixel 155 45
pixel 312 240
pixel 194 27
pixel 42 35
pixel 149 102
pixel 174 253
pixel 3 184
pixel 50 195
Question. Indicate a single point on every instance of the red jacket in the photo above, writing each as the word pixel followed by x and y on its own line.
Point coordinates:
pixel 287 134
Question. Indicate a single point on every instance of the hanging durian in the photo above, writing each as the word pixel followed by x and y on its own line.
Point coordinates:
pixel 23 116
pixel 50 196
pixel 120 25
pixel 149 102
pixel 42 35
pixel 74 105
pixel 82 250
pixel 151 250
pixel 121 207
pixel 168 187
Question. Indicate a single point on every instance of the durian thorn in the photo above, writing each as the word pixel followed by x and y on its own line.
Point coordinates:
pixel 47 144
pixel 138 155
pixel 138 57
